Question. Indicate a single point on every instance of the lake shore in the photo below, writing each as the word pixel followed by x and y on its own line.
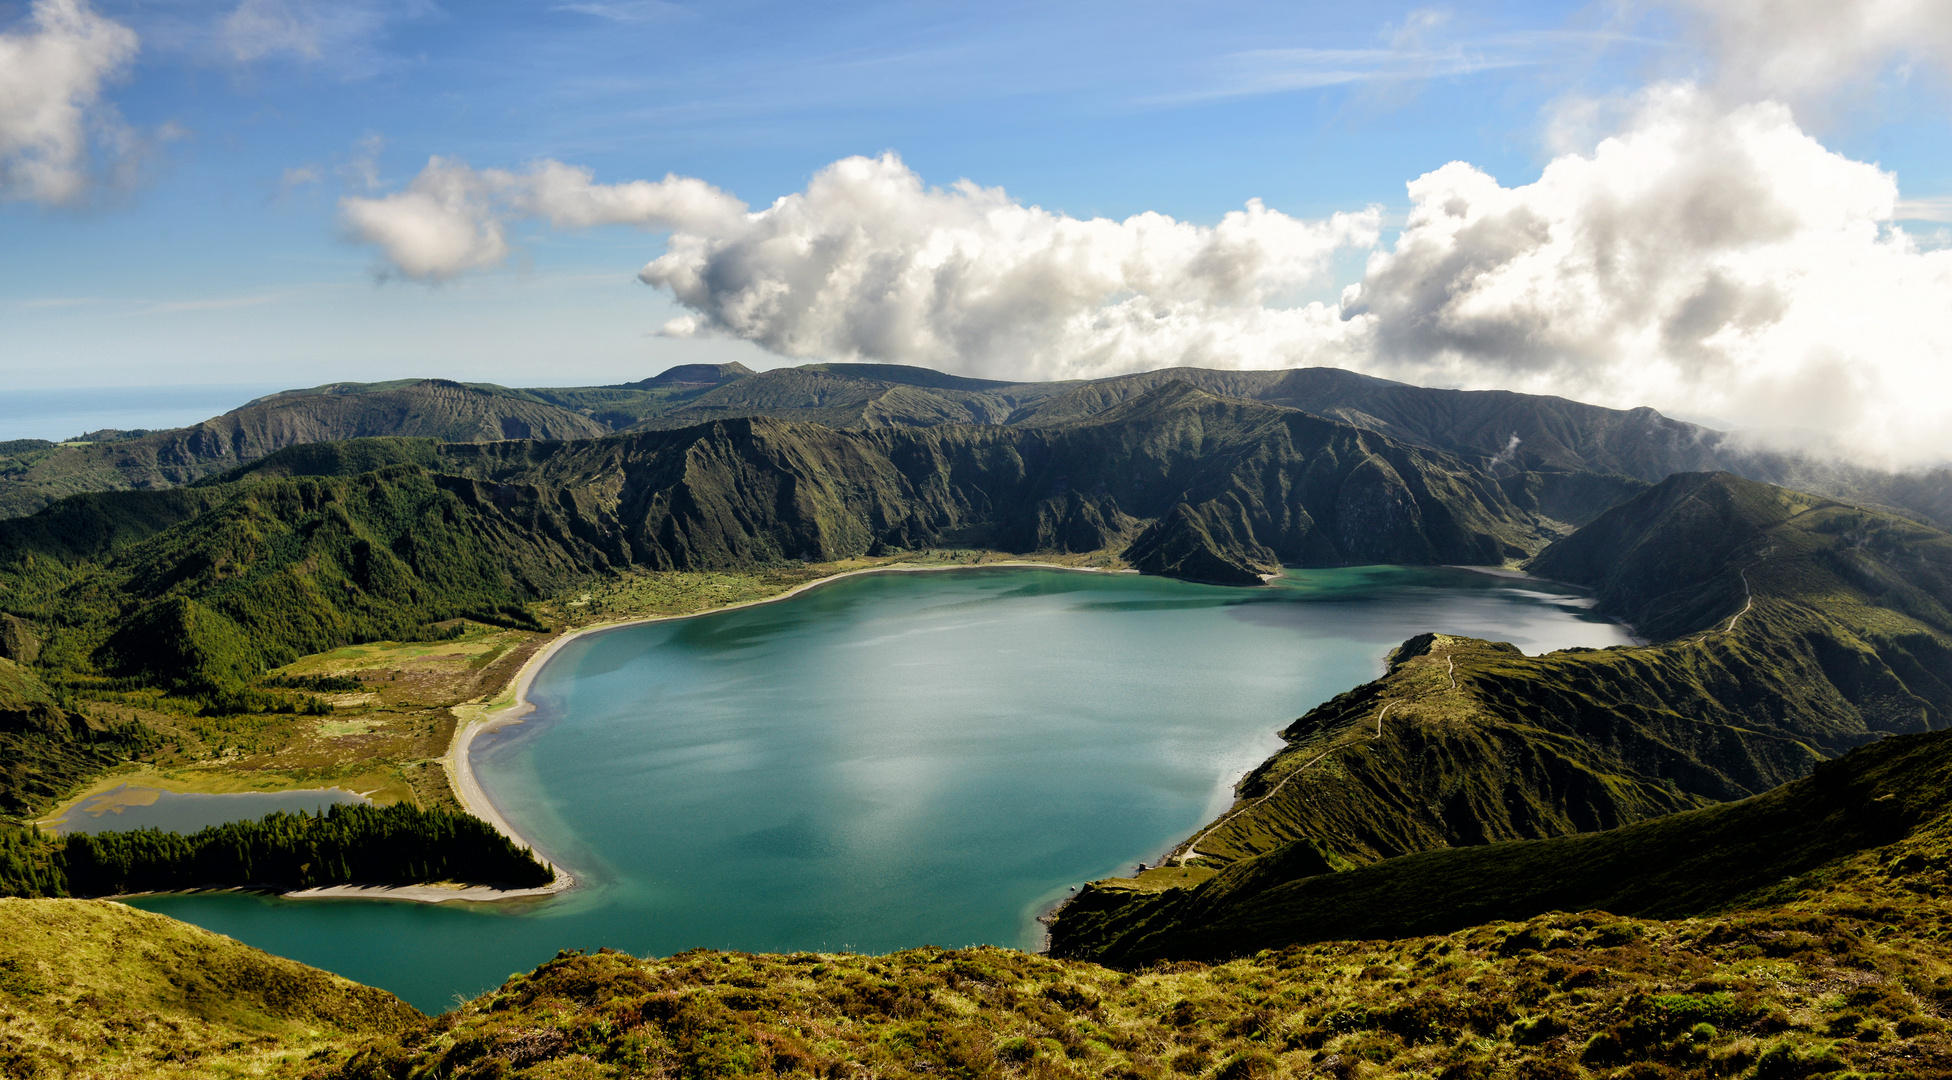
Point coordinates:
pixel 460 766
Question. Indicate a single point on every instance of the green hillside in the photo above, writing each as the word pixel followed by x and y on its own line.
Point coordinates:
pixel 273 571
pixel 231 578
pixel 1464 743
pixel 1679 865
pixel 1181 482
pixel 47 749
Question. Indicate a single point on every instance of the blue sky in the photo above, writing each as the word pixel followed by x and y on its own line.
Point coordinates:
pixel 214 246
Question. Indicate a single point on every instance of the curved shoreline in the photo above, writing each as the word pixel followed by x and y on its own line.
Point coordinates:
pixel 474 799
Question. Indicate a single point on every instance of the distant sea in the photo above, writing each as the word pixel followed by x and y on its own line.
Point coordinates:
pixel 65 413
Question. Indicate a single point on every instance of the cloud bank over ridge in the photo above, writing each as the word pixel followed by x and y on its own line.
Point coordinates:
pixel 1702 261
pixel 1708 257
pixel 870 263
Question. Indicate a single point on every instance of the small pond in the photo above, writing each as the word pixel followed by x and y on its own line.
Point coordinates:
pixel 126 807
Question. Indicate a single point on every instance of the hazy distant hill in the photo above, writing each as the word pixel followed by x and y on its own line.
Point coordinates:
pixel 1561 459
pixel 429 408
pixel 861 396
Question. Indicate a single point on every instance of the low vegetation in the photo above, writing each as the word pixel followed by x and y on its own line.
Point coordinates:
pixel 1793 992
pixel 92 990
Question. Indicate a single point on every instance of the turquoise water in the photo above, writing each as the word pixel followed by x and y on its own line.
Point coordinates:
pixel 890 760
pixel 124 807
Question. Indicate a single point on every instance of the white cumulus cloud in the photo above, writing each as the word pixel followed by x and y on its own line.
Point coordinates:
pixel 1705 261
pixel 1802 49
pixel 870 263
pixel 450 219
pixel 1707 256
pixel 55 130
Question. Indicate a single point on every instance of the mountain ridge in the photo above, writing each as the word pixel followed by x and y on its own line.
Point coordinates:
pixel 1558 458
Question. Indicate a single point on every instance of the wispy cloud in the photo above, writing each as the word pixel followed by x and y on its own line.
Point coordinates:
pixel 1934 208
pixel 342 35
pixel 46 302
pixel 628 11
pixel 57 136
pixel 1412 53
pixel 219 303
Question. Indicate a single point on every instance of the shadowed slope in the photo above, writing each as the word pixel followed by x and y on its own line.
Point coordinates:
pixel 1839 639
pixel 1682 864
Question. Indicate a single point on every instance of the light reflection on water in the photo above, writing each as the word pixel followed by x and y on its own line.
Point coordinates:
pixel 892 760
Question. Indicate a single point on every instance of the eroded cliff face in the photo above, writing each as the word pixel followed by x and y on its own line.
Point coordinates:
pixel 1177 481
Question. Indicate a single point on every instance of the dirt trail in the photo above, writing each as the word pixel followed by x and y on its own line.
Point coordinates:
pixel 1192 849
pixel 1748 598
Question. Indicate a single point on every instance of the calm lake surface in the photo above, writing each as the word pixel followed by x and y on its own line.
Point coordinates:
pixel 890 760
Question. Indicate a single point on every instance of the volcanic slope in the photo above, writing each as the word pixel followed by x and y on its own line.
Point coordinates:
pixel 1795 628
pixel 1893 797
pixel 235 576
pixel 1563 459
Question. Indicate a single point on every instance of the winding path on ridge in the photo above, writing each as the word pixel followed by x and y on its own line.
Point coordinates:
pixel 1192 849
pixel 1748 601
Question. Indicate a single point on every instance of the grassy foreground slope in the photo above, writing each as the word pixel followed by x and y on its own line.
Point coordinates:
pixel 1826 984
pixel 1841 969
pixel 91 989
